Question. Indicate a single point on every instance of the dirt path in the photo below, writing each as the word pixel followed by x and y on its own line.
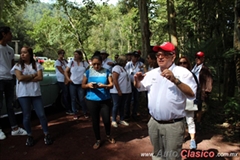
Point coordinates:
pixel 74 140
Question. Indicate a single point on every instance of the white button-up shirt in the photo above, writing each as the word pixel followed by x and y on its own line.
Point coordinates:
pixel 165 100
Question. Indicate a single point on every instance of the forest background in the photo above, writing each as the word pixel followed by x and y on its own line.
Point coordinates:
pixel 211 26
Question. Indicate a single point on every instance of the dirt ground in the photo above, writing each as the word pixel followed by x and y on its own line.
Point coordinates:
pixel 73 140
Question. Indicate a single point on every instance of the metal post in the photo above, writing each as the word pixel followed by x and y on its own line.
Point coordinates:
pixel 16 45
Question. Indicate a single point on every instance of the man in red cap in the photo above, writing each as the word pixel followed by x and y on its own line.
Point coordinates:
pixel 168 87
pixel 205 80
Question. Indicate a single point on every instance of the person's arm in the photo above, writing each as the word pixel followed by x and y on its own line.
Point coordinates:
pixel 115 76
pixel 182 86
pixel 60 69
pixel 86 85
pixel 138 77
pixel 107 86
pixel 38 77
pixel 66 74
pixel 24 78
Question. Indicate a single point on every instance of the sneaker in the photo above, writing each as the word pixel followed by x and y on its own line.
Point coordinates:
pixel 69 113
pixel 111 140
pixel 19 132
pixel 97 144
pixel 86 116
pixel 193 144
pixel 2 135
pixel 75 117
pixel 124 123
pixel 114 124
pixel 48 139
pixel 29 141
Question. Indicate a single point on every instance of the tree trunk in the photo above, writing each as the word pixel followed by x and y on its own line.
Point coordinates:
pixel 236 41
pixel 172 22
pixel 143 11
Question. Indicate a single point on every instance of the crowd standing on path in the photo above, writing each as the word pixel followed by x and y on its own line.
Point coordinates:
pixel 110 88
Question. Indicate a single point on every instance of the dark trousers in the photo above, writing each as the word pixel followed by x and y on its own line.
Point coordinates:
pixel 65 95
pixel 7 88
pixel 96 108
pixel 134 99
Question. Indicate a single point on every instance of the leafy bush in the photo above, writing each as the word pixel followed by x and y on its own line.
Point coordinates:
pixel 49 65
pixel 232 109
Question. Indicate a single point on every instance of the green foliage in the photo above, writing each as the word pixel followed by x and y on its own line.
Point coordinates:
pixel 232 109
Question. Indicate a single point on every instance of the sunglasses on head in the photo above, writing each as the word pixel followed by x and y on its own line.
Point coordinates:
pixel 180 63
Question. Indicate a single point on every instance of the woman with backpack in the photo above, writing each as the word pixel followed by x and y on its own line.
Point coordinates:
pixel 74 76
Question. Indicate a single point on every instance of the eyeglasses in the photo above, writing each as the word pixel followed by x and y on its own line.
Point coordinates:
pixel 181 63
pixel 163 55
pixel 96 64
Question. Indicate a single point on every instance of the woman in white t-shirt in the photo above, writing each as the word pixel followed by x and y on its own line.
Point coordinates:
pixel 76 68
pixel 60 65
pixel 28 73
pixel 121 91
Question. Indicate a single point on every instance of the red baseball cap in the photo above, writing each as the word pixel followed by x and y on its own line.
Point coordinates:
pixel 200 54
pixel 166 46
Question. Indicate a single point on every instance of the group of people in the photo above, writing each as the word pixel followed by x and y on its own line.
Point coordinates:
pixel 106 87
pixel 28 73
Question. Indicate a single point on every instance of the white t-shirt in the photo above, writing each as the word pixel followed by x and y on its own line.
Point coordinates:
pixel 6 57
pixel 105 65
pixel 77 71
pixel 133 69
pixel 59 75
pixel 27 89
pixel 165 100
pixel 123 80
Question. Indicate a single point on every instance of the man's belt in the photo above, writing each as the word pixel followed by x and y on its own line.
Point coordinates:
pixel 169 121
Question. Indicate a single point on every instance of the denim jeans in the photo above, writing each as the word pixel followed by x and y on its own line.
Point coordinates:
pixel 65 95
pixel 7 88
pixel 119 103
pixel 26 104
pixel 77 90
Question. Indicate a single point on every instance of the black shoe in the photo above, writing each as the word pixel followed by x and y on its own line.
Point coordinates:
pixel 48 140
pixel 29 141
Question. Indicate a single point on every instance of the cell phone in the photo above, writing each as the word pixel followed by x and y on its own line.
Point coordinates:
pixel 94 84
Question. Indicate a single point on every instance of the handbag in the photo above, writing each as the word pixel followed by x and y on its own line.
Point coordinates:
pixel 191 106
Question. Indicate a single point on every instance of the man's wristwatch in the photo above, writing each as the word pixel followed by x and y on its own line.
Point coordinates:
pixel 177 82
